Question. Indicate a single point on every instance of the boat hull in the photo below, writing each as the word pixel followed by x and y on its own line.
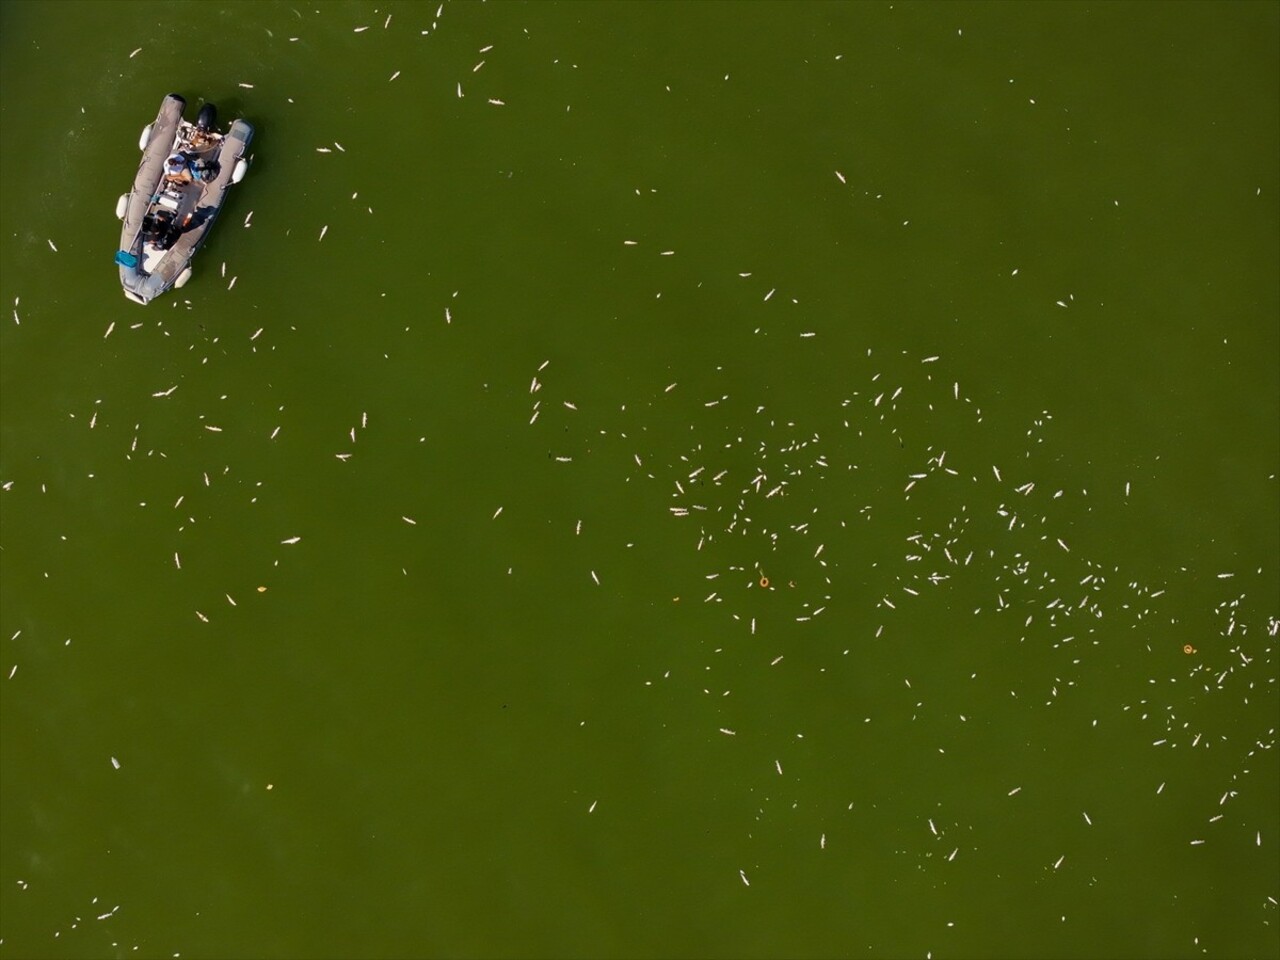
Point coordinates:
pixel 149 268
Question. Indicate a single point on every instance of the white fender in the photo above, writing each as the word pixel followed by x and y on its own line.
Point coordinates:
pixel 183 277
pixel 122 205
pixel 146 137
pixel 242 167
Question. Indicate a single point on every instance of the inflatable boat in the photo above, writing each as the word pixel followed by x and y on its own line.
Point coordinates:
pixel 182 182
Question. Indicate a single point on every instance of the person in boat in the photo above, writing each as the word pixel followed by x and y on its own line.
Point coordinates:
pixel 156 227
pixel 204 169
pixel 171 234
pixel 177 168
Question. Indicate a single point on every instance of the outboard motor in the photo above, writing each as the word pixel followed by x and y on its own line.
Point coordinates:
pixel 207 118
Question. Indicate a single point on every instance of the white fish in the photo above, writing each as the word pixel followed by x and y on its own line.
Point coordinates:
pixel 496 512
pixel 247 86
pixel 323 231
pixel 135 53
pixel 840 175
pixel 410 520
pixel 394 75
pixel 52 247
pixel 291 540
pixel 115 763
pixel 497 103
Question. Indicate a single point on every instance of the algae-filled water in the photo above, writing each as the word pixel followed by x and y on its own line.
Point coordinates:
pixel 647 480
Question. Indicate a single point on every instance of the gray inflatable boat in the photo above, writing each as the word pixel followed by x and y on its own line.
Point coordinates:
pixel 182 182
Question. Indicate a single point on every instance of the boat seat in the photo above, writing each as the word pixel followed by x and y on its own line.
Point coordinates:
pixel 168 202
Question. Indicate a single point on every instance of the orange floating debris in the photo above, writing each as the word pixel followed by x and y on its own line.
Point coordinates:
pixel 764 582
pixel 1188 648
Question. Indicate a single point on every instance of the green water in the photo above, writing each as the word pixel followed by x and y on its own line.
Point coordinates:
pixel 957 325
